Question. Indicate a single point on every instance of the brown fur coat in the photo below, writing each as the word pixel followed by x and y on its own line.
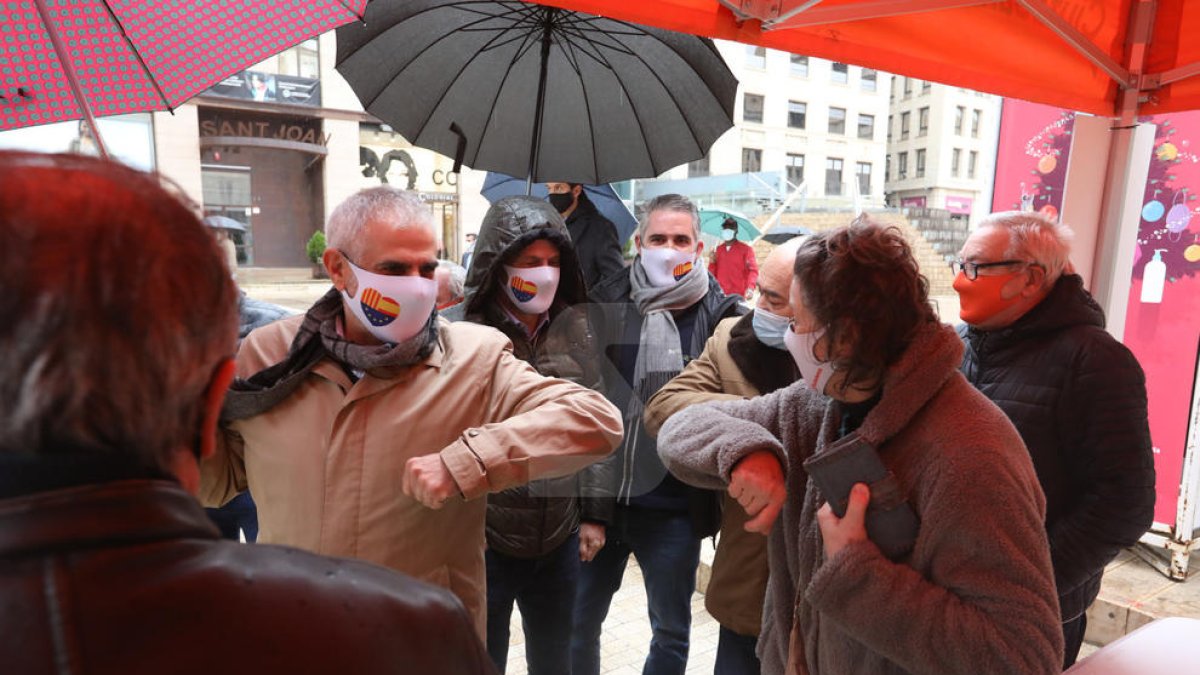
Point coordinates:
pixel 976 595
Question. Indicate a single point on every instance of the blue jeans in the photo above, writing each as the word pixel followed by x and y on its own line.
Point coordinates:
pixel 544 590
pixel 240 514
pixel 735 654
pixel 668 551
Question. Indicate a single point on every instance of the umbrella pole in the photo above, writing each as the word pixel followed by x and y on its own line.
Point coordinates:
pixel 536 142
pixel 64 57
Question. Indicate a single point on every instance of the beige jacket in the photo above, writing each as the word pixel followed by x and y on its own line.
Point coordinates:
pixel 325 466
pixel 739 571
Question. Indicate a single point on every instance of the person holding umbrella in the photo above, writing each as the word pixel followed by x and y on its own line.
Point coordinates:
pixel 733 262
pixel 594 235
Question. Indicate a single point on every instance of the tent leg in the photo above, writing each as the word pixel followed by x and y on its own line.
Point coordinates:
pixel 1128 167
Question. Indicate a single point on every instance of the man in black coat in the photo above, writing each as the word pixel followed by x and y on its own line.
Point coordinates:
pixel 650 321
pixel 116 343
pixel 1036 346
pixel 594 236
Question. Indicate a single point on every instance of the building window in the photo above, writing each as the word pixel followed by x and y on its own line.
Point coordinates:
pixel 751 160
pixel 887 167
pixel 303 60
pixel 926 85
pixel 976 117
pixel 795 169
pixel 840 73
pixel 907 87
pixel 698 168
pixel 889 129
pixel 797 114
pixel 863 170
pixel 955 161
pixel 902 165
pixel 833 176
pixel 870 79
pixel 866 126
pixel 959 113
pixel 971 161
pixel 923 121
pixel 905 118
pixel 920 173
pixel 892 89
pixel 756 57
pixel 799 65
pixel 752 108
pixel 837 121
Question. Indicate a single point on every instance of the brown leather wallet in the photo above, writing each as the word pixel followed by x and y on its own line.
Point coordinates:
pixel 891 522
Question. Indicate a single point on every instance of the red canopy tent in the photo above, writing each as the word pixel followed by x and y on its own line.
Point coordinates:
pixel 1077 54
pixel 1116 59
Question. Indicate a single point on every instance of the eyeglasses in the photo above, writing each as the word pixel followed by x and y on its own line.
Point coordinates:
pixel 971 270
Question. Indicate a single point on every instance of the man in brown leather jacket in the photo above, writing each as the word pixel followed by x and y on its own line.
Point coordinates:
pixel 116 334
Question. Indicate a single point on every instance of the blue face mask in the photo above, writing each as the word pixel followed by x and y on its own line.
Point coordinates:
pixel 770 328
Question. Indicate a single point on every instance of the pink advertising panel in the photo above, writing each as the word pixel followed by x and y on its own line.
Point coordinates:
pixel 1163 322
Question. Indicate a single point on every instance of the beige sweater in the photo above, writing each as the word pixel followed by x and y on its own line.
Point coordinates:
pixel 976 595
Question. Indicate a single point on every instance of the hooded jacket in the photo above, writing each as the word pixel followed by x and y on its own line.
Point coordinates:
pixel 976 593
pixel 1078 398
pixel 532 520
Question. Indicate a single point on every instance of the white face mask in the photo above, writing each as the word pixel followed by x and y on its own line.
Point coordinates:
pixel 665 266
pixel 770 329
pixel 532 289
pixel 393 309
pixel 816 373
pixel 728 235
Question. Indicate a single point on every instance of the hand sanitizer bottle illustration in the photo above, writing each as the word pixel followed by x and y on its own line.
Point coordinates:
pixel 1153 278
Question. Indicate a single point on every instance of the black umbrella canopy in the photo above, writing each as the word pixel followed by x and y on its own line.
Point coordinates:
pixel 465 77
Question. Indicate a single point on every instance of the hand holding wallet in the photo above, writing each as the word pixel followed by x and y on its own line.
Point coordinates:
pixel 891 522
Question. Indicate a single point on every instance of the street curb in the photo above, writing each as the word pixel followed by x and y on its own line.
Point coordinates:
pixel 1108 620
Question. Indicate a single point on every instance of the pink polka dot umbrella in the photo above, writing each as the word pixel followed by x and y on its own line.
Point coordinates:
pixel 71 59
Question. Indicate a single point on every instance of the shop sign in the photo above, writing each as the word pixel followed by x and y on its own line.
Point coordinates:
pixel 250 85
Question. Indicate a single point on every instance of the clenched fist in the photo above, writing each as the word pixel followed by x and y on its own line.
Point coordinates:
pixel 427 480
pixel 757 483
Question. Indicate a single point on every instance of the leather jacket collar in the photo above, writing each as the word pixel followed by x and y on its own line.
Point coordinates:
pixel 101 515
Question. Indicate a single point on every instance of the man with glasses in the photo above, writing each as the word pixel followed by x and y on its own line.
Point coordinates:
pixel 1036 346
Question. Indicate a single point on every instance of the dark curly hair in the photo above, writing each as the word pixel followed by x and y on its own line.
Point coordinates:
pixel 863 284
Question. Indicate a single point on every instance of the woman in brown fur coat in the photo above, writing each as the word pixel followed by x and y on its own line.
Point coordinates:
pixel 975 593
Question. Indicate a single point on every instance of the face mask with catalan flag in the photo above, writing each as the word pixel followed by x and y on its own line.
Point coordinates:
pixel 531 289
pixel 392 308
pixel 665 266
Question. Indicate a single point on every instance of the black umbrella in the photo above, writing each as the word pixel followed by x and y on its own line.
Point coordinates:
pixel 778 235
pixel 535 91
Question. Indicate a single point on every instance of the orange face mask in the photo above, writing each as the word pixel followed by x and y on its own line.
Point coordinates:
pixel 980 300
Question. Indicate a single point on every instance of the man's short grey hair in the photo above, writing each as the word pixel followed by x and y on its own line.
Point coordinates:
pixel 117 310
pixel 344 229
pixel 1033 236
pixel 670 202
pixel 458 277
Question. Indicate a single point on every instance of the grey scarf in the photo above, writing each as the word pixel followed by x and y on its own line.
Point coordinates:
pixel 318 337
pixel 660 356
